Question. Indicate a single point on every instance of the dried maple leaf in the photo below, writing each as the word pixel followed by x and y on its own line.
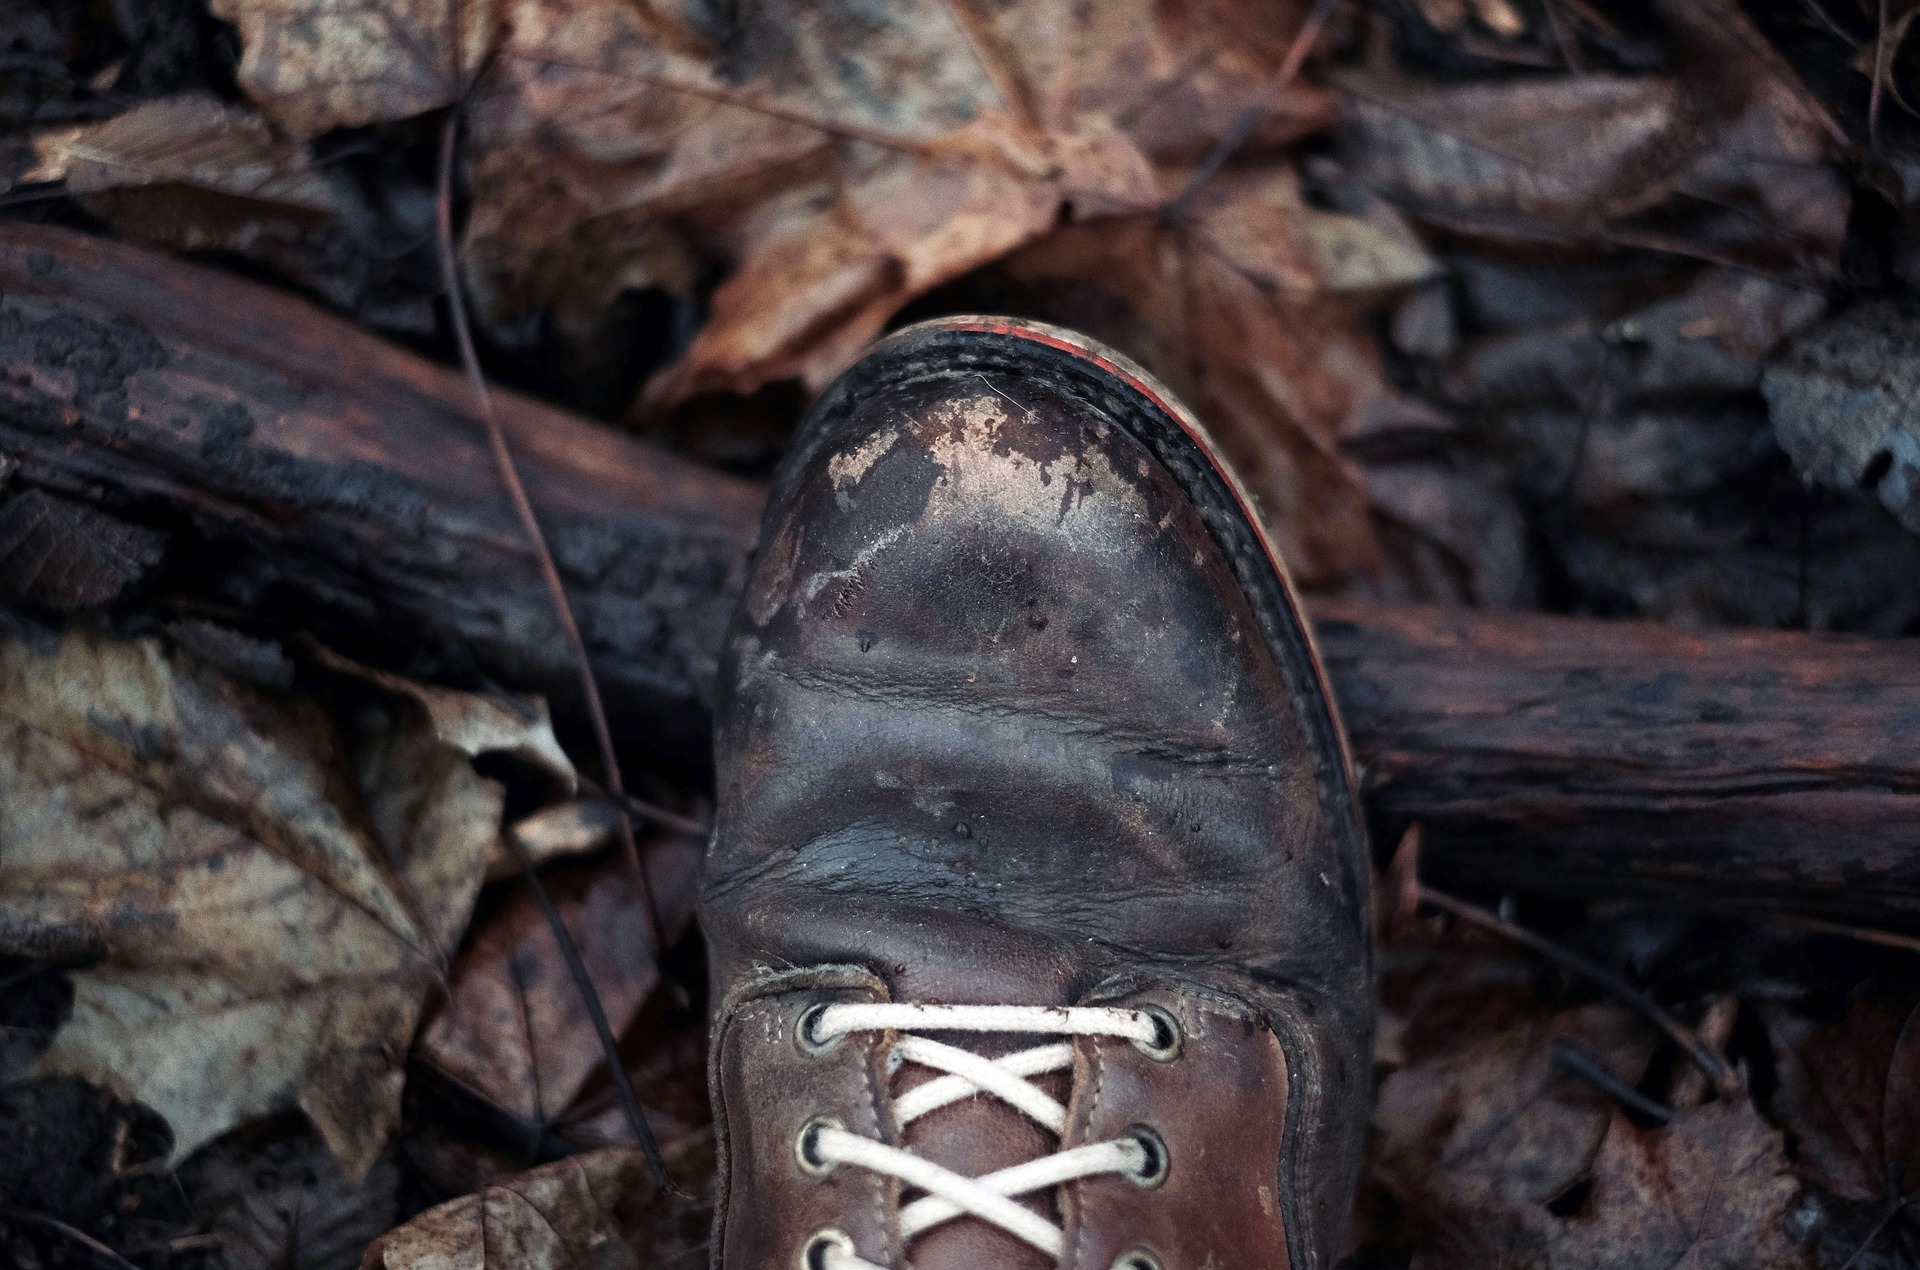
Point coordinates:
pixel 1496 1155
pixel 1247 307
pixel 1710 1191
pixel 513 1028
pixel 269 897
pixel 840 159
pixel 587 1212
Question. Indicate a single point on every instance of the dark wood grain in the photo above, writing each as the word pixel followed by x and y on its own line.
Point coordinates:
pixel 309 474
pixel 1758 768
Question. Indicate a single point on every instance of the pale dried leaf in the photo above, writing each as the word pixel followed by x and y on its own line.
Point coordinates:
pixel 315 65
pixel 270 897
pixel 599 1210
pixel 191 139
pixel 574 827
pixel 500 723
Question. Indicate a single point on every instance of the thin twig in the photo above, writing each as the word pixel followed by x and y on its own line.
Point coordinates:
pixel 1587 1067
pixel 1251 117
pixel 652 813
pixel 1704 1056
pixel 636 1119
pixel 80 1237
pixel 1893 1210
pixel 510 477
pixel 1866 935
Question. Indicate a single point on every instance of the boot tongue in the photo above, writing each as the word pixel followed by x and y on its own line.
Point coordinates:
pixel 973 1137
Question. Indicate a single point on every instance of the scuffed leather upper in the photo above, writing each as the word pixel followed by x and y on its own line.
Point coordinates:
pixel 1010 713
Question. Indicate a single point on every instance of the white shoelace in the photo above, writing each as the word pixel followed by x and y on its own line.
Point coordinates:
pixel 989 1197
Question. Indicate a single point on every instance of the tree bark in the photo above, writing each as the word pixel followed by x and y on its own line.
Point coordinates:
pixel 185 442
pixel 280 468
pixel 1728 768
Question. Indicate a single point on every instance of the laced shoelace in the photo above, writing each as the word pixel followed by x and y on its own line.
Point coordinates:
pixel 824 1144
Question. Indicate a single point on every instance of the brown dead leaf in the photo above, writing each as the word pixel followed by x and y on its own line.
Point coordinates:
pixel 513 1028
pixel 1491 1154
pixel 1710 1191
pixel 1247 309
pixel 839 159
pixel 502 723
pixel 270 1196
pixel 66 555
pixel 596 1211
pixel 1850 1095
pixel 193 139
pixel 574 827
pixel 1580 157
pixel 269 895
pixel 315 65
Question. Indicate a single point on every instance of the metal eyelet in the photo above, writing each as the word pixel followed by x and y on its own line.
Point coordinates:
pixel 1165 1045
pixel 813 1253
pixel 1159 1162
pixel 806 1146
pixel 805 1035
pixel 1137 1259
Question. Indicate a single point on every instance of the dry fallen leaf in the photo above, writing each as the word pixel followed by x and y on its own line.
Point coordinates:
pixel 501 723
pixel 596 1211
pixel 839 159
pixel 1843 401
pixel 1578 157
pixel 1850 1094
pixel 194 140
pixel 271 1196
pixel 513 1028
pixel 1710 1191
pixel 1248 308
pixel 1490 1152
pixel 66 555
pixel 316 65
pixel 269 895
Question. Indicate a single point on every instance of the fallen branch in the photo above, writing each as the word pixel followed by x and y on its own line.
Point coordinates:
pixel 244 456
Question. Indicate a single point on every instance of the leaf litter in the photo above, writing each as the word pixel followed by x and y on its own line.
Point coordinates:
pixel 1506 304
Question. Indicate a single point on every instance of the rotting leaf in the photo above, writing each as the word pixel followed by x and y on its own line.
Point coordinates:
pixel 193 139
pixel 513 1028
pixel 1581 157
pixel 574 827
pixel 1491 1154
pixel 472 723
pixel 1712 1189
pixel 599 1210
pixel 269 897
pixel 66 555
pixel 1850 1094
pixel 272 1197
pixel 838 158
pixel 1247 309
pixel 1845 403
pixel 316 65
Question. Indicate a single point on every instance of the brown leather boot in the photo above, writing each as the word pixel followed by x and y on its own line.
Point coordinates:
pixel 1036 902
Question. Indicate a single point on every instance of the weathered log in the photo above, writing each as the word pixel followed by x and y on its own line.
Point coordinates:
pixel 277 462
pixel 1742 768
pixel 238 449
